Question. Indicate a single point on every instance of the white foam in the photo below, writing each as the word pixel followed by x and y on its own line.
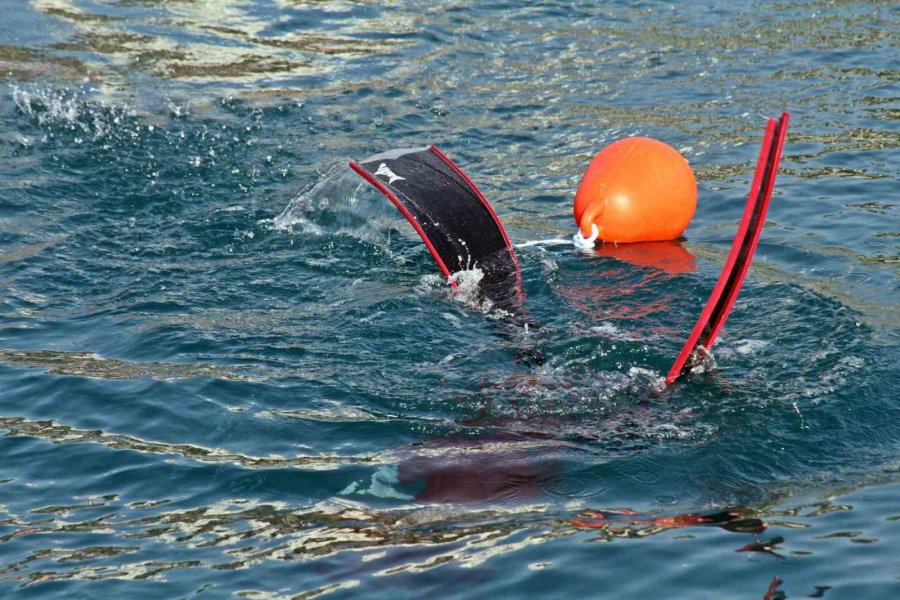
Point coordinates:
pixel 702 360
pixel 652 379
pixel 468 291
pixel 748 347
pixel 610 331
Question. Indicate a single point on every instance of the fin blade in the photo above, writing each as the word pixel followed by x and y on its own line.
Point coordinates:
pixel 455 221
pixel 718 306
pixel 743 264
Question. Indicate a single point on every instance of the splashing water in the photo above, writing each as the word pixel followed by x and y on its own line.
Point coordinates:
pixel 70 110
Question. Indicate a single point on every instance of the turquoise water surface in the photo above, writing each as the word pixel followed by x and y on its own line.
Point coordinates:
pixel 229 368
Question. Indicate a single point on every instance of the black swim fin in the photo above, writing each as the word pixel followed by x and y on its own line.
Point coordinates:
pixel 455 221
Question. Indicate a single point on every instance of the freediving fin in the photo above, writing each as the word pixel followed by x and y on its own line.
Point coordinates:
pixel 727 288
pixel 455 221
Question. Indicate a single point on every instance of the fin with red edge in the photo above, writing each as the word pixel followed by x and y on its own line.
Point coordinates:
pixel 727 288
pixel 451 215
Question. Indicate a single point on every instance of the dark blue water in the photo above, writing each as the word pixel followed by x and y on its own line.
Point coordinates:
pixel 227 369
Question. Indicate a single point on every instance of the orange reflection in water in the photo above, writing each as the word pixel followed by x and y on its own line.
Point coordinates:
pixel 669 256
pixel 618 292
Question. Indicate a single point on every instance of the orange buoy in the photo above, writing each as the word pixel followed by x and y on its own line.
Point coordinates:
pixel 636 190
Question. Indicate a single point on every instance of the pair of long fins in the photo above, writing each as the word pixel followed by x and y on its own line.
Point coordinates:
pixel 461 230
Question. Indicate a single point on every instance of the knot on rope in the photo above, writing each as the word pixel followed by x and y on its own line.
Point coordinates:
pixel 583 243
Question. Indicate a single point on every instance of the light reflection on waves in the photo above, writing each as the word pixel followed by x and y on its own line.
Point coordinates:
pixel 222 39
pixel 87 364
pixel 64 434
pixel 238 533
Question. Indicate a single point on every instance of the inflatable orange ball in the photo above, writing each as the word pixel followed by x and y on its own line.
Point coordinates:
pixel 636 190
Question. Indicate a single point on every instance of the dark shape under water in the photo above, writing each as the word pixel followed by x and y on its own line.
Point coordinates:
pixel 465 470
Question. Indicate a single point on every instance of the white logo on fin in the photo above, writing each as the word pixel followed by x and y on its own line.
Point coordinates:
pixel 384 171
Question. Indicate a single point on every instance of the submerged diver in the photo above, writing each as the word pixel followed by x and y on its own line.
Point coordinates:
pixel 635 190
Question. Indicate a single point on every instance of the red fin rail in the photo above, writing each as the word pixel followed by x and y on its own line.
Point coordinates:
pixel 734 271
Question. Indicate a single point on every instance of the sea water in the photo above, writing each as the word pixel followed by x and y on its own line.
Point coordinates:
pixel 228 369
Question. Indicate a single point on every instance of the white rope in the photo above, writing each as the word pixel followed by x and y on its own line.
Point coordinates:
pixel 553 242
pixel 583 243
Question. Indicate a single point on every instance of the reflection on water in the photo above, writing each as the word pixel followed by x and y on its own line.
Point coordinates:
pixel 64 434
pixel 237 533
pixel 86 364
pixel 245 533
pixel 24 63
pixel 222 40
